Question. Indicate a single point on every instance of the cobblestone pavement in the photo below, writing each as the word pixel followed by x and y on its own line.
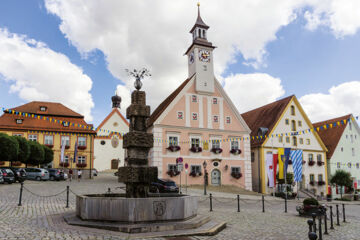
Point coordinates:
pixel 42 217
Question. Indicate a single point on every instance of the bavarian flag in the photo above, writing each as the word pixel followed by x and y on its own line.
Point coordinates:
pixel 281 163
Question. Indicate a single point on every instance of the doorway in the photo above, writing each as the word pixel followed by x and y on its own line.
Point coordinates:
pixel 114 164
pixel 216 177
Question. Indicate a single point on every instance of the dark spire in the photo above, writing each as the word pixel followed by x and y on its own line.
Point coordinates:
pixel 199 22
pixel 116 100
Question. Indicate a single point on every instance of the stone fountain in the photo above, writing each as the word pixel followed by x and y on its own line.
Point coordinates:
pixel 138 210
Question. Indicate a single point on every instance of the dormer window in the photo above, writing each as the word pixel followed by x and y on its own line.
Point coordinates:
pixel 19 121
pixel 43 108
pixel 65 124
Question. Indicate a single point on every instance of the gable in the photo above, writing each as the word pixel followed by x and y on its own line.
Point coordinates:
pixel 115 122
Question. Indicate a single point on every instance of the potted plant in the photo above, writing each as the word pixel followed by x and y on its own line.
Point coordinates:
pixel 172 173
pixel 196 149
pixel 290 162
pixel 310 206
pixel 303 162
pixel 81 147
pixel 320 183
pixel 216 150
pixel 64 164
pixel 235 151
pixel 49 145
pixel 312 183
pixel 81 165
pixel 320 163
pixel 173 148
pixel 311 163
pixel 236 175
pixel 17 163
pixel 67 146
pixel 195 174
pixel 2 163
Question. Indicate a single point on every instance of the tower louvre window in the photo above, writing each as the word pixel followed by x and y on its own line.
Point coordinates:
pixel 43 108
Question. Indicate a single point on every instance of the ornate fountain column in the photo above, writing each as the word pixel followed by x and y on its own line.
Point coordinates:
pixel 137 174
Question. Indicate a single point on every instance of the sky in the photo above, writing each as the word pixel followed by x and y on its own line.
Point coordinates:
pixel 76 52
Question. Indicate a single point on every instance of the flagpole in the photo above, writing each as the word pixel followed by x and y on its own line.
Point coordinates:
pixel 272 146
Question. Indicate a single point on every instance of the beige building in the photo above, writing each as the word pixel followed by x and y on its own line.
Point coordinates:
pixel 286 125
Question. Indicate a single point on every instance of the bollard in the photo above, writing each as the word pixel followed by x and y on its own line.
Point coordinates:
pixel 314 220
pixel 21 191
pixel 312 236
pixel 337 215
pixel 320 228
pixel 210 202
pixel 344 212
pixel 310 223
pixel 286 202
pixel 331 218
pixel 325 222
pixel 67 196
pixel 238 202
pixel 263 203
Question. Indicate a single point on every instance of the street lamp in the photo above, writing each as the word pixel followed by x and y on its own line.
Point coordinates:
pixel 204 165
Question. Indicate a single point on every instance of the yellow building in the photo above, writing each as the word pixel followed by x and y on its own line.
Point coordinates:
pixel 53 124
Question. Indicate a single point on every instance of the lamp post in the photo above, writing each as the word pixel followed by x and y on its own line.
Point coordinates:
pixel 204 165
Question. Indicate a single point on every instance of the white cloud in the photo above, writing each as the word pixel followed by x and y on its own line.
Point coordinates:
pixel 342 17
pixel 38 73
pixel 125 94
pixel 249 91
pixel 341 100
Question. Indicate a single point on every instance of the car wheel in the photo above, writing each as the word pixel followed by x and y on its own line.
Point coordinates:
pixel 52 178
pixel 37 178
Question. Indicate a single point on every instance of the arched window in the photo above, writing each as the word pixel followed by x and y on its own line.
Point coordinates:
pixel 292 109
pixel 204 36
pixel 293 125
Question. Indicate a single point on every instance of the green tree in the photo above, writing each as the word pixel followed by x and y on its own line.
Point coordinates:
pixel 9 148
pixel 37 153
pixel 49 155
pixel 341 178
pixel 24 149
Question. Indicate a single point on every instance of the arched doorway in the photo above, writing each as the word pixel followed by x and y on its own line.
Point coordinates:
pixel 114 164
pixel 216 177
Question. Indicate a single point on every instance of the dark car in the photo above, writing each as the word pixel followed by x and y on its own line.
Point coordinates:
pixel 8 175
pixel 20 174
pixel 56 174
pixel 1 178
pixel 164 186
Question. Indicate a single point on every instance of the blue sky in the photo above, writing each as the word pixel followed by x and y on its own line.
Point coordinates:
pixel 306 61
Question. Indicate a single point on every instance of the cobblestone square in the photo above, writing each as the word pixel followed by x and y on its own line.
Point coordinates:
pixel 42 217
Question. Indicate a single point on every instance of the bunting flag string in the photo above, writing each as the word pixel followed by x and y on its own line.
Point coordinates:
pixel 159 140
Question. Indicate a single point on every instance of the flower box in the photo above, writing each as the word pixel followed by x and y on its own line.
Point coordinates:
pixel 66 147
pixel 303 162
pixel 195 174
pixel 172 173
pixel 312 183
pixel 320 163
pixel 173 148
pixel 81 147
pixel 81 165
pixel 236 175
pixel 290 162
pixel 17 163
pixel 320 183
pixel 49 145
pixel 216 150
pixel 64 164
pixel 235 151
pixel 2 163
pixel 311 163
pixel 196 149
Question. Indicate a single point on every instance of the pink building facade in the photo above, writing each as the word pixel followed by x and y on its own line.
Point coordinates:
pixel 199 123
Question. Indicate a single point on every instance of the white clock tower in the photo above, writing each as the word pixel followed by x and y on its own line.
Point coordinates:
pixel 200 58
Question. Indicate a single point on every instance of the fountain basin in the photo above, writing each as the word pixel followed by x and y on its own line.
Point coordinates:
pixel 116 207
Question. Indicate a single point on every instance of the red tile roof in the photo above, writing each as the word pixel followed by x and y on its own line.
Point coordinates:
pixel 266 116
pixel 54 110
pixel 331 136
pixel 161 108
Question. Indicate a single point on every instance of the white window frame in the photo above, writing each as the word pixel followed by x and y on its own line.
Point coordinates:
pixel 234 141
pixel 194 98
pixel 173 140
pixel 228 120
pixel 215 100
pixel 82 142
pixel 49 140
pixel 172 167
pixel 33 137
pixel 81 159
pixel 235 167
pixel 178 114
pixel 19 121
pixel 338 165
pixel 191 141
pixel 215 118
pixel 66 158
pixel 197 168
pixel 193 115
pixel 217 142
pixel 67 140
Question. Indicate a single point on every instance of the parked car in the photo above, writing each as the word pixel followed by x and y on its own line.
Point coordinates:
pixel 37 174
pixel 94 172
pixel 20 174
pixel 65 176
pixel 56 174
pixel 8 175
pixel 1 178
pixel 164 186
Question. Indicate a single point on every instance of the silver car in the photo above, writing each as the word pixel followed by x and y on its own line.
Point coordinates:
pixel 37 174
pixel 1 178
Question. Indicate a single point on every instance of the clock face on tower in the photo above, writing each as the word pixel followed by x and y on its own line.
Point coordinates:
pixel 191 58
pixel 204 55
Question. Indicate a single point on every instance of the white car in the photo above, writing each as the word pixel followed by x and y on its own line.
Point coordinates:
pixel 65 176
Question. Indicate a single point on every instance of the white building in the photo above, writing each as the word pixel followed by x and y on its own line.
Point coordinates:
pixel 341 137
pixel 285 125
pixel 108 144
